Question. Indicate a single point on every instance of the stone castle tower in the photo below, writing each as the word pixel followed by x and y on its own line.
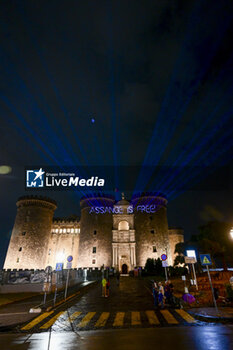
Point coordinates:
pixel 29 241
pixel 151 228
pixel 119 234
pixel 95 232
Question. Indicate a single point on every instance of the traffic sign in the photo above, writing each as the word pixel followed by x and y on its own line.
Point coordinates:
pixel 164 257
pixel 205 259
pixel 59 266
pixel 69 265
pixel 189 260
pixel 164 263
pixel 69 258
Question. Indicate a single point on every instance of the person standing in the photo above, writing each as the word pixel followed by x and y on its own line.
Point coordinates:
pixel 155 295
pixel 107 288
pixel 104 282
pixel 167 292
pixel 161 295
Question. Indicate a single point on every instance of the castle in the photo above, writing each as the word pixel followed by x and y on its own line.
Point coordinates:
pixel 119 234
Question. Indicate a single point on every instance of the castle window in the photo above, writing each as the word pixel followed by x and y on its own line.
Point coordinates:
pixel 20 249
pixel 72 230
pixel 64 230
pixel 123 225
pixel 76 230
pixel 24 233
pixel 93 261
pixel 17 260
pixel 68 230
pixel 94 250
pixel 152 231
pixel 60 231
pixel 49 251
pixel 94 232
pixel 56 230
pixel 154 249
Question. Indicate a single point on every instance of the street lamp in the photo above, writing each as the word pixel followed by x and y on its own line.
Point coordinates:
pixel 231 232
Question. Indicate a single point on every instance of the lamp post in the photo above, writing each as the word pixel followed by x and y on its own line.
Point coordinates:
pixel 231 279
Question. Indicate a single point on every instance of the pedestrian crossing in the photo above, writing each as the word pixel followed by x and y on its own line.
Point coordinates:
pixel 63 320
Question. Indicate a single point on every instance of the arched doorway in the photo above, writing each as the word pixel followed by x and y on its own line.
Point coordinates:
pixel 124 269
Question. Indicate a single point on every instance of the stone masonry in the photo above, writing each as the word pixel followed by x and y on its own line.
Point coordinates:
pixel 119 234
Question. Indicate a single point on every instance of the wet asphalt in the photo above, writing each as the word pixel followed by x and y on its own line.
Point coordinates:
pixel 131 298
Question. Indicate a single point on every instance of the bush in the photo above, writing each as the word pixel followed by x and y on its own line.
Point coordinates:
pixel 178 271
pixel 154 267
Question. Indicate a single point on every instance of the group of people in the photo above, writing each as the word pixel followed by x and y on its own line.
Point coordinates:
pixel 162 293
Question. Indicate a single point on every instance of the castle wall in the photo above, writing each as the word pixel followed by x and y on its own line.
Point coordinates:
pixel 175 236
pixel 63 242
pixel 95 231
pixel 30 236
pixel 102 237
pixel 151 229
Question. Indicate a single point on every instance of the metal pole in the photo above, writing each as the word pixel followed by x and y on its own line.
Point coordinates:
pixel 195 277
pixel 55 296
pixel 212 290
pixel 166 273
pixel 67 280
pixel 55 293
pixel 44 297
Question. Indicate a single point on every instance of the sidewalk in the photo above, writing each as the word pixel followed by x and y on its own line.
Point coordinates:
pixel 209 314
pixel 18 312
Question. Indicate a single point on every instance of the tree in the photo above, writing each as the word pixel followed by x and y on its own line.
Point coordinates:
pixel 150 265
pixel 179 260
pixel 180 248
pixel 214 238
pixel 158 267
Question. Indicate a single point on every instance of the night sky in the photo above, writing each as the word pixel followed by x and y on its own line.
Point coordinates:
pixel 120 83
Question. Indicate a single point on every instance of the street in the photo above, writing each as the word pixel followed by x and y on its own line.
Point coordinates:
pixel 182 338
pixel 124 320
pixel 129 305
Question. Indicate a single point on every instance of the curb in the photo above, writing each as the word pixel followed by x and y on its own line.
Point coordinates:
pixel 63 301
pixel 212 319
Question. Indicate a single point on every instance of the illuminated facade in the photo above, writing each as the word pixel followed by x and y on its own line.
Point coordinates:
pixel 119 234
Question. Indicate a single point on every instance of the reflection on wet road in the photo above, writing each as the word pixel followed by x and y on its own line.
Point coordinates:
pixel 211 337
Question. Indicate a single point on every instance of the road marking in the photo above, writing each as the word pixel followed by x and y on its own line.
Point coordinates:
pixel 185 316
pixel 36 321
pixel 52 320
pixel 135 318
pixel 119 319
pixel 73 317
pixel 169 317
pixel 102 319
pixel 152 317
pixel 86 319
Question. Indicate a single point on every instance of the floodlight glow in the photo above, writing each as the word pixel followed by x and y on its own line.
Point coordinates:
pixel 60 256
pixel 191 253
pixel 5 169
pixel 231 232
